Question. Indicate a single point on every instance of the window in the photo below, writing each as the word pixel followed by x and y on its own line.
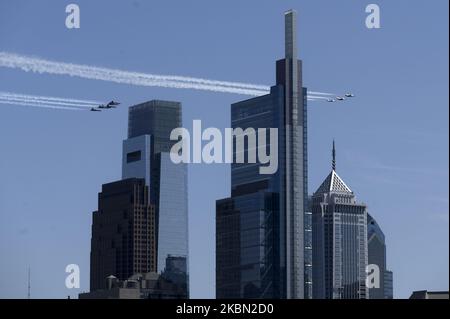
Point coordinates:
pixel 134 156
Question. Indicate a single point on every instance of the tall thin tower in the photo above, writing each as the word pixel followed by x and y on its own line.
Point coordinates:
pixel 289 75
pixel 260 235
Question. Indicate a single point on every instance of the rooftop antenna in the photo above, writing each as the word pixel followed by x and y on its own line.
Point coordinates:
pixel 29 283
pixel 333 162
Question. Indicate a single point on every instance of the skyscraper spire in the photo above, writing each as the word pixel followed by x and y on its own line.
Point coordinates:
pixel 29 283
pixel 333 162
pixel 290 34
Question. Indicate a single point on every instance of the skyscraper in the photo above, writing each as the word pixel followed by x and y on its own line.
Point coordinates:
pixel 339 231
pixel 260 237
pixel 123 232
pixel 377 256
pixel 146 154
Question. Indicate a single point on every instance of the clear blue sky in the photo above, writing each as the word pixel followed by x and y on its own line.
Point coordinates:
pixel 392 139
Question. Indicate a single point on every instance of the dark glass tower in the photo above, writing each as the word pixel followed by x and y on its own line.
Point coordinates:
pixel 260 237
pixel 377 255
pixel 123 232
pixel 146 154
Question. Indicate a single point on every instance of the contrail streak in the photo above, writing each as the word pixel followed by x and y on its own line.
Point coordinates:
pixel 318 97
pixel 38 65
pixel 319 93
pixel 49 98
pixel 24 103
pixel 43 102
pixel 46 101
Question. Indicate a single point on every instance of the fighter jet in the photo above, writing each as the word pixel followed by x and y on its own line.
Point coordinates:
pixel 112 104
pixel 93 109
pixel 339 98
pixel 331 100
pixel 109 105
pixel 349 95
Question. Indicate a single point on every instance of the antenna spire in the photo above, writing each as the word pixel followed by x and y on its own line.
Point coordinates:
pixel 333 162
pixel 29 283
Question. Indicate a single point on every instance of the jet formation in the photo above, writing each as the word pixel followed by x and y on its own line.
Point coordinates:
pixel 110 105
pixel 341 98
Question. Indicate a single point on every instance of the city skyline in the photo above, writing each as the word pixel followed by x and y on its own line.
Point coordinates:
pixel 386 127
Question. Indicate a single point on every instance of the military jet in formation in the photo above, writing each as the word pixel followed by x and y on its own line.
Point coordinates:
pixel 341 98
pixel 110 105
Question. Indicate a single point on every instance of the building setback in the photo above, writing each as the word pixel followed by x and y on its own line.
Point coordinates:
pixel 123 232
pixel 339 231
pixel 260 237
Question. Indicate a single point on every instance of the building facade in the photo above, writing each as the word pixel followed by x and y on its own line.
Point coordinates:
pixel 339 232
pixel 260 231
pixel 141 225
pixel 123 232
pixel 425 294
pixel 146 154
pixel 149 285
pixel 377 256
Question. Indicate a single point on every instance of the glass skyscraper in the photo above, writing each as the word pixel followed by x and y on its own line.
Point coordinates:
pixel 377 255
pixel 339 231
pixel 260 231
pixel 146 154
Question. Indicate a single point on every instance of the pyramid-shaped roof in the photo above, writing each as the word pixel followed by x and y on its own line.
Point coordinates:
pixel 333 184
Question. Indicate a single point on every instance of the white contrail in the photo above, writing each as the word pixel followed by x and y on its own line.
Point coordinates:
pixel 134 78
pixel 24 103
pixel 49 98
pixel 319 93
pixel 317 97
pixel 46 101
pixel 38 65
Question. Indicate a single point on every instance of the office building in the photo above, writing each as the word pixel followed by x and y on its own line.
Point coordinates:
pixel 123 232
pixel 388 284
pixel 260 231
pixel 339 231
pixel 146 154
pixel 377 256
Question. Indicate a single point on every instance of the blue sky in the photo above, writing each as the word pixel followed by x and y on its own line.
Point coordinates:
pixel 392 139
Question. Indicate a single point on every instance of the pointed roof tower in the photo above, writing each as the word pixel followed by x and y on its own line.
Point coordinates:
pixel 333 183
